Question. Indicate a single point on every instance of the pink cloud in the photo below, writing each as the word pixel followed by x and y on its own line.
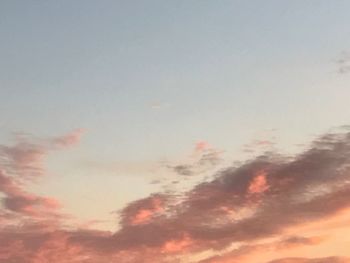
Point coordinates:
pixel 25 159
pixel 142 211
pixel 258 184
pixel 206 218
pixel 19 201
pixel 177 245
pixel 69 139
pixel 202 146
pixel 312 260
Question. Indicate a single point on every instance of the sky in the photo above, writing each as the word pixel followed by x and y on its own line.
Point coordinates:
pixel 174 131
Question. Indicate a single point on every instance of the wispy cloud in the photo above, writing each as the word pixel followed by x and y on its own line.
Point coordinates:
pixel 22 163
pixel 25 159
pixel 203 158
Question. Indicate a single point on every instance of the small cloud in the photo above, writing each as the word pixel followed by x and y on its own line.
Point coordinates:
pixel 156 181
pixel 343 62
pixel 312 260
pixel 177 245
pixel 183 169
pixel 202 159
pixel 158 105
pixel 69 139
pixel 293 241
pixel 25 159
pixel 259 184
pixel 202 146
pixel 258 145
pixel 210 157
pixel 142 211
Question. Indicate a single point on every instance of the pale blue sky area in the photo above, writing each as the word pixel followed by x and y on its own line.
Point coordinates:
pixel 147 79
pixel 217 66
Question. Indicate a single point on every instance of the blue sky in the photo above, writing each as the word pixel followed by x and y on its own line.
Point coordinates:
pixel 209 64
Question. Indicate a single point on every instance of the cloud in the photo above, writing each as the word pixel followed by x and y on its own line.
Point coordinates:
pixel 248 253
pixel 293 241
pixel 69 139
pixel 25 159
pixel 183 169
pixel 203 158
pixel 258 145
pixel 173 246
pixel 258 184
pixel 19 201
pixel 244 206
pixel 343 62
pixel 143 210
pixel 202 146
pixel 156 105
pixel 289 198
pixel 312 260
